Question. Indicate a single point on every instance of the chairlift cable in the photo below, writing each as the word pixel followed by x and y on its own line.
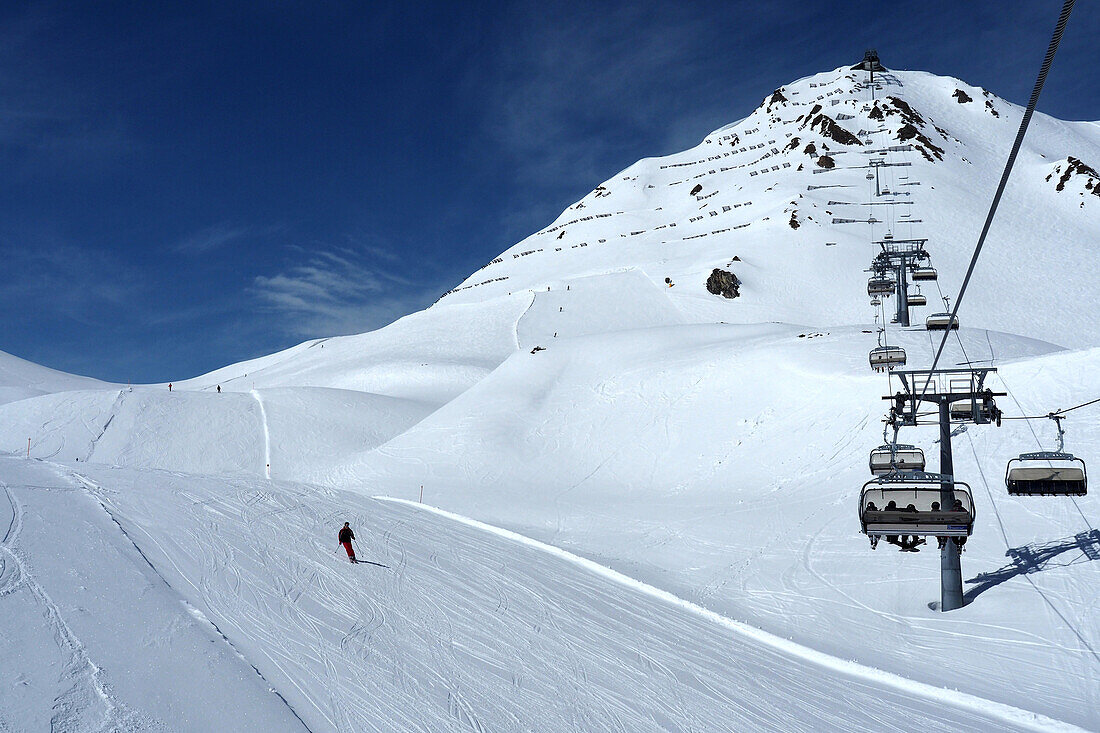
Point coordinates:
pixel 988 491
pixel 1055 39
pixel 1049 414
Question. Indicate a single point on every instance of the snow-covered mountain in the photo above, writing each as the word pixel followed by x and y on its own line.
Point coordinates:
pixel 586 390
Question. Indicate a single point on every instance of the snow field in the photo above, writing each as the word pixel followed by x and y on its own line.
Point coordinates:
pixel 471 628
pixel 103 642
pixel 738 493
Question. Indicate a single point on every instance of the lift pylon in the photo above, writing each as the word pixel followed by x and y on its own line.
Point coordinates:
pixel 945 388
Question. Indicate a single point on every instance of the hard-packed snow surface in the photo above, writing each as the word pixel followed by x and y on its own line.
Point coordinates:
pixel 613 499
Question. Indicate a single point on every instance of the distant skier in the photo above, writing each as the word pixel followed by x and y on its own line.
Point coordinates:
pixel 169 386
pixel 219 389
pixel 345 537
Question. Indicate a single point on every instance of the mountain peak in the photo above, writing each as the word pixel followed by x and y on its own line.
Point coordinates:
pixel 799 188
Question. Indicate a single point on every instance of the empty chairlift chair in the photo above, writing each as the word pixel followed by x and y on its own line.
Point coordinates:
pixel 886 357
pixel 924 274
pixel 1047 473
pixel 916 299
pixel 941 322
pixel 880 286
pixel 912 504
pixel 906 458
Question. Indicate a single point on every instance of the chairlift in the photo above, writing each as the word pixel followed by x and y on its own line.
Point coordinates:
pixel 916 300
pixel 923 274
pixel 1047 473
pixel 880 286
pixel 888 459
pixel 979 412
pixel 876 302
pixel 882 358
pixel 910 503
pixel 941 322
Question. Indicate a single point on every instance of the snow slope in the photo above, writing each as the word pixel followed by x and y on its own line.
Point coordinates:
pixel 709 451
pixel 20 379
pixel 471 629
pixel 753 176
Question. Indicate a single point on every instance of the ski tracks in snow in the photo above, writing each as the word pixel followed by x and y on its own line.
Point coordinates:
pixel 475 629
pixel 85 703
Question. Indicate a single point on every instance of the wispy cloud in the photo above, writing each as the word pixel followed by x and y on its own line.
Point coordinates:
pixel 64 280
pixel 218 236
pixel 339 290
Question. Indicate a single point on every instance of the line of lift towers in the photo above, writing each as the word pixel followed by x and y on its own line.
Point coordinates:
pixel 903 503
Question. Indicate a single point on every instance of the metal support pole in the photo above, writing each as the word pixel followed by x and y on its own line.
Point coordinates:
pixel 951 591
pixel 903 294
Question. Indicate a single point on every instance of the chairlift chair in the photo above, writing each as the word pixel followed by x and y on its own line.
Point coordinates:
pixel 1047 473
pixel 916 300
pixel 876 302
pixel 941 322
pixel 905 458
pixel 920 274
pixel 921 491
pixel 880 286
pixel 882 358
pixel 979 412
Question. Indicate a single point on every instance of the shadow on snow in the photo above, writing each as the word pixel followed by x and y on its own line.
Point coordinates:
pixel 1036 557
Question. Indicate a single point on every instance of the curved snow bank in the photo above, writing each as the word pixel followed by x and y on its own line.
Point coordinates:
pixel 293 433
pixel 431 356
pixel 21 379
pixel 1007 713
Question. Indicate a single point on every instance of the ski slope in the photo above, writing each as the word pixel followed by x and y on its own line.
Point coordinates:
pixel 465 629
pixel 638 498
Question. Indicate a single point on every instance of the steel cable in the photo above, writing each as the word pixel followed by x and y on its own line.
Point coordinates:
pixel 1032 102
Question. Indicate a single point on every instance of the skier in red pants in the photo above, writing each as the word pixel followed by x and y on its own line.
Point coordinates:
pixel 345 537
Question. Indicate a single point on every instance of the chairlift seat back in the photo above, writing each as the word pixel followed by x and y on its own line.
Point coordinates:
pixel 885 357
pixel 880 286
pixel 906 458
pixel 941 322
pixel 924 521
pixel 1046 474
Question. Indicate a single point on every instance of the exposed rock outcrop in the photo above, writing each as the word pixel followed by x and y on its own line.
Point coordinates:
pixel 724 283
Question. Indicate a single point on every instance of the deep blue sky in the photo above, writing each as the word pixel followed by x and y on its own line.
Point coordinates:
pixel 186 185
